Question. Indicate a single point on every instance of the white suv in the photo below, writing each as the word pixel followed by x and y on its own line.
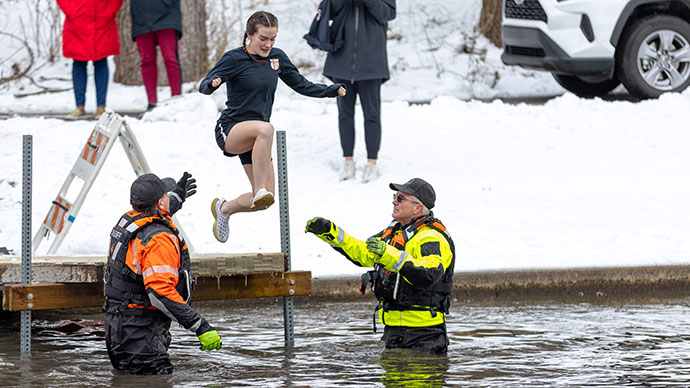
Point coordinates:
pixel 591 46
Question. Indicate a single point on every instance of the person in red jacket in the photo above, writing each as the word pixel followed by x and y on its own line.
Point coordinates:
pixel 90 34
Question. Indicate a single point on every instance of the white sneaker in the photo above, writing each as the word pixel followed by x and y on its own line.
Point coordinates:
pixel 348 170
pixel 370 173
pixel 262 199
pixel 221 230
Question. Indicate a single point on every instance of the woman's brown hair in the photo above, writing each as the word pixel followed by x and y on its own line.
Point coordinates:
pixel 263 18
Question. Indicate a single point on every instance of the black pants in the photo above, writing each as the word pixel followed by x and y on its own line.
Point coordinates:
pixel 369 92
pixel 138 344
pixel 431 339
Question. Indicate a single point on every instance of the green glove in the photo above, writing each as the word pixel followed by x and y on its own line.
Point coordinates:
pixel 318 225
pixel 210 340
pixel 376 246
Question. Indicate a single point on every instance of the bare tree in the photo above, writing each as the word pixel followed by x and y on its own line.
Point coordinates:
pixel 193 49
pixel 34 42
pixel 490 20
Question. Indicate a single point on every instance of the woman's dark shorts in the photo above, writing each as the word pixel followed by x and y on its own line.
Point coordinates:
pixel 222 130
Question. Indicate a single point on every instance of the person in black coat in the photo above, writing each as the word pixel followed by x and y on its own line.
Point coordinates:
pixel 251 75
pixel 362 66
pixel 157 22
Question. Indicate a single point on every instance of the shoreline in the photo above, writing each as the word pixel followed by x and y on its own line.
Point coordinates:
pixel 564 284
pixel 596 285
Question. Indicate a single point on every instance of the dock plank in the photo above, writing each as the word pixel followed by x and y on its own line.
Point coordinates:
pixel 59 269
pixel 44 296
pixel 253 286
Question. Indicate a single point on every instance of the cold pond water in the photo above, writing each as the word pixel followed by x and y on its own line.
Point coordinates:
pixel 509 345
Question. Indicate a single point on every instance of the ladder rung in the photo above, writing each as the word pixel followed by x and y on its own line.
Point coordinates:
pixel 55 219
pixel 94 145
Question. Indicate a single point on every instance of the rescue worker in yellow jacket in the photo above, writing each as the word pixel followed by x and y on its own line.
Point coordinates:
pixel 413 260
pixel 147 279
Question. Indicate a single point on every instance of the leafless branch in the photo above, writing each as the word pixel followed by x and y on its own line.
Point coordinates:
pixel 17 72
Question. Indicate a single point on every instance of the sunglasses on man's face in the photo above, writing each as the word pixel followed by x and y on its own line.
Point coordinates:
pixel 400 198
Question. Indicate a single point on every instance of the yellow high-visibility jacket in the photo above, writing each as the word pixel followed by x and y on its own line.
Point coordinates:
pixel 425 260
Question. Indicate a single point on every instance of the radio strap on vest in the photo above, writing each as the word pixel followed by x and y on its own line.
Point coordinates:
pixel 376 312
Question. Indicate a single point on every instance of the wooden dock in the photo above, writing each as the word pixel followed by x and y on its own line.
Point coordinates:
pixel 71 282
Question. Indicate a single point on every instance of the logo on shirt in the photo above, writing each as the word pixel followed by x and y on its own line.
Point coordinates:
pixel 275 63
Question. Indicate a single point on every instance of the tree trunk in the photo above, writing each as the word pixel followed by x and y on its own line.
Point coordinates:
pixel 127 64
pixel 192 49
pixel 193 45
pixel 490 20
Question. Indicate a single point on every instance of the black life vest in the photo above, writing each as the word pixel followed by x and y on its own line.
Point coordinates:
pixel 125 287
pixel 394 292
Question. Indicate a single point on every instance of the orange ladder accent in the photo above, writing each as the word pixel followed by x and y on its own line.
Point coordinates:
pixel 55 219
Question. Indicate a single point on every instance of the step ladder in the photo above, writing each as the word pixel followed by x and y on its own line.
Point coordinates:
pixel 62 211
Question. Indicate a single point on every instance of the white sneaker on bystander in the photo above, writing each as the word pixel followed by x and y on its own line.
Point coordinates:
pixel 371 172
pixel 348 170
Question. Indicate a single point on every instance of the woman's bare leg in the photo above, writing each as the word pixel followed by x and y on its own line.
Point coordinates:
pixel 261 173
pixel 243 203
pixel 256 136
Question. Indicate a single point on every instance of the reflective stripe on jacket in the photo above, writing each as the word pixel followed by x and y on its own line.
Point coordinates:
pixel 158 261
pixel 422 264
pixel 155 260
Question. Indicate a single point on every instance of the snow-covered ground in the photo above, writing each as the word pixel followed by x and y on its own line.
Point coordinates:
pixel 428 38
pixel 570 183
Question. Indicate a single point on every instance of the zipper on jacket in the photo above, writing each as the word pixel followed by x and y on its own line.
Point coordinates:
pixel 354 51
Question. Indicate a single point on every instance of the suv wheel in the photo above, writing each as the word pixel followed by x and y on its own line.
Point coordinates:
pixel 583 88
pixel 655 56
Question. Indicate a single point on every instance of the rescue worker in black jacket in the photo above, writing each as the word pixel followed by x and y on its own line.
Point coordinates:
pixel 148 281
pixel 413 260
pixel 361 65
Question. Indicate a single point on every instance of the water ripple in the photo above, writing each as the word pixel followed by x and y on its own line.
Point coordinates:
pixel 515 345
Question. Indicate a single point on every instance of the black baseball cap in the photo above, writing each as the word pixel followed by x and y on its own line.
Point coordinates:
pixel 420 189
pixel 148 188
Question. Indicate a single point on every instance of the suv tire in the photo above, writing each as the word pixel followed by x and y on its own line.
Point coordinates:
pixel 646 61
pixel 582 88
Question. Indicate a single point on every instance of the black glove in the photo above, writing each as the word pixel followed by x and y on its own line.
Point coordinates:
pixel 186 186
pixel 318 225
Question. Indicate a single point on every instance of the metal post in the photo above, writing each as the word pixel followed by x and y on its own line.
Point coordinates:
pixel 288 323
pixel 25 323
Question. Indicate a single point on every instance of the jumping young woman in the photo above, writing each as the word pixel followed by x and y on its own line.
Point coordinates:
pixel 251 73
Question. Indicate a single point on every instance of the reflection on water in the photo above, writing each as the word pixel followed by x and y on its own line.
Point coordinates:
pixel 408 368
pixel 511 345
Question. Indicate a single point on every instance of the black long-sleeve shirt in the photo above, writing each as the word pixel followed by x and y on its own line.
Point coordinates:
pixel 251 85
